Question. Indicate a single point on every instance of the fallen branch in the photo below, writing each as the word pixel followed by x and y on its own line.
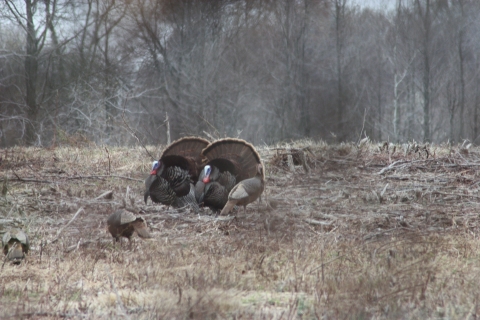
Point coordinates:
pixel 28 180
pixel 73 178
pixel 46 314
pixel 105 195
pixel 392 166
pixel 104 176
pixel 63 228
pixel 317 222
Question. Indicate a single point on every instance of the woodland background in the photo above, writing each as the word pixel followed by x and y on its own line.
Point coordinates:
pixel 110 71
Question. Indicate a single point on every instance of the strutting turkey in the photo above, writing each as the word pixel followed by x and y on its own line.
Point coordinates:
pixel 123 223
pixel 246 191
pixel 15 245
pixel 171 179
pixel 228 161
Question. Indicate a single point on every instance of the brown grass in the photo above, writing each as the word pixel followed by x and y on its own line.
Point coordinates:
pixel 341 242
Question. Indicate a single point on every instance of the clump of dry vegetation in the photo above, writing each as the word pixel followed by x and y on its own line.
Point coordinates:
pixel 343 231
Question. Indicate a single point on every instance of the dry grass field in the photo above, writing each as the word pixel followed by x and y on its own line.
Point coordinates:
pixel 365 233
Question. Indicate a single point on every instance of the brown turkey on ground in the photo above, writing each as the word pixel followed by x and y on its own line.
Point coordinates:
pixel 15 245
pixel 123 223
pixel 228 161
pixel 246 191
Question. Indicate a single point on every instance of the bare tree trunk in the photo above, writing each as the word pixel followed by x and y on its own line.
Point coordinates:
pixel 379 102
pixel 426 24
pixel 108 90
pixel 110 19
pixel 452 105
pixel 476 128
pixel 287 86
pixel 426 100
pixel 31 73
pixel 461 61
pixel 396 83
pixel 339 34
pixel 411 97
pixel 303 75
pixel 396 116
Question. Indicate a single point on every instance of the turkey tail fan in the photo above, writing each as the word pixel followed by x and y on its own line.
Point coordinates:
pixel 123 223
pixel 234 155
pixel 141 228
pixel 186 154
pixel 187 147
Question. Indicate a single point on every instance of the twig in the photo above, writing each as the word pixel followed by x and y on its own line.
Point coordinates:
pixel 215 131
pixel 109 161
pixel 393 165
pixel 105 195
pixel 29 180
pixel 46 314
pixel 63 228
pixel 363 125
pixel 317 222
pixel 167 121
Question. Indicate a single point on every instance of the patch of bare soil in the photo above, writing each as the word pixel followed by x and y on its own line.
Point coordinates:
pixel 342 231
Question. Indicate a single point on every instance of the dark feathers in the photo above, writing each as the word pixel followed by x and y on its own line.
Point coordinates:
pixel 170 181
pixel 228 161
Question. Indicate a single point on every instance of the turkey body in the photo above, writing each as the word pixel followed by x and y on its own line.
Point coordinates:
pixel 213 193
pixel 246 191
pixel 170 181
pixel 15 245
pixel 214 196
pixel 166 187
pixel 228 161
pixel 123 223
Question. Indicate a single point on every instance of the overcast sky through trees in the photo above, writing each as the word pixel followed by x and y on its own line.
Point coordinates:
pixel 375 4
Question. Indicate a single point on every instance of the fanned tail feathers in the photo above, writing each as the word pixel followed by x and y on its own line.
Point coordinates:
pixel 228 207
pixel 187 147
pixel 141 228
pixel 234 155
pixel 185 153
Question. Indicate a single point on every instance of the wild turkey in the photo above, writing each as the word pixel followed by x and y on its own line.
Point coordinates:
pixel 15 245
pixel 170 181
pixel 123 223
pixel 246 191
pixel 228 161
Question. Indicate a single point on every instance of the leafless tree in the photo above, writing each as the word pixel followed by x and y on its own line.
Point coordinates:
pixel 263 70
